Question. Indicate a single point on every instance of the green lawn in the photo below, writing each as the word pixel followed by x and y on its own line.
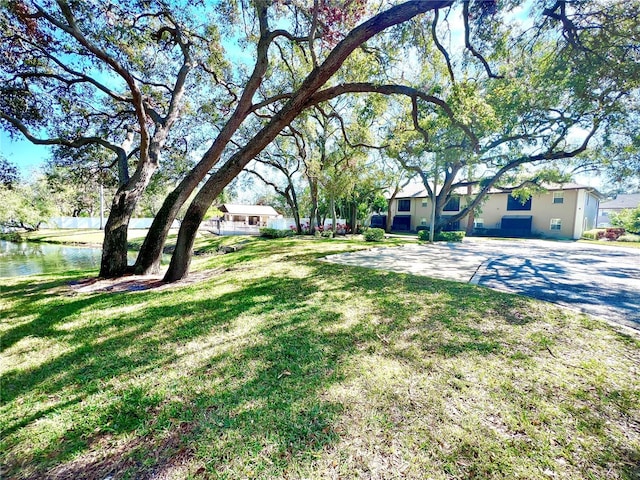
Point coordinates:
pixel 281 366
pixel 611 243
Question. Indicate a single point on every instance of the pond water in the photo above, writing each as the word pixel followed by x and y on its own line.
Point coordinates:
pixel 19 259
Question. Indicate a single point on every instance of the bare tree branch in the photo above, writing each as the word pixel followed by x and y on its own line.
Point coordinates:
pixel 467 41
pixel 78 142
pixel 439 46
pixel 329 93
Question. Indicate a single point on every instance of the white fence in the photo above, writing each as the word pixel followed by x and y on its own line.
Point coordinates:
pixel 287 223
pixel 222 227
pixel 94 222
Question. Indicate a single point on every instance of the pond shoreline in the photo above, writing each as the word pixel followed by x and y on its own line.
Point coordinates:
pixel 87 241
pixel 21 239
pixel 19 259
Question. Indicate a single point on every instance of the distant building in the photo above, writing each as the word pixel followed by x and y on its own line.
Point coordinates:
pixel 564 211
pixel 621 202
pixel 256 215
pixel 240 219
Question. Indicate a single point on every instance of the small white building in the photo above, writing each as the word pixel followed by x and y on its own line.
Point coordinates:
pixel 255 215
pixel 241 219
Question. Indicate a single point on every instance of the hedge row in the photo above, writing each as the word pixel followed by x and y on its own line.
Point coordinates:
pixel 442 236
pixel 374 235
pixel 275 233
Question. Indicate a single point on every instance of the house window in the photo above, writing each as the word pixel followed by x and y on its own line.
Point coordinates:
pixel 478 223
pixel 423 221
pixel 558 197
pixel 604 213
pixel 514 203
pixel 404 205
pixel 453 205
pixel 556 224
pixel 424 202
pixel 450 226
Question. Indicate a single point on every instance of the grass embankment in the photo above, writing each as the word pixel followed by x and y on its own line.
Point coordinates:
pixel 611 243
pixel 77 236
pixel 285 367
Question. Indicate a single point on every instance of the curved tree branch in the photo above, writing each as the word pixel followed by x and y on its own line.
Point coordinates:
pixel 78 142
pixel 467 41
pixel 439 46
pixel 329 93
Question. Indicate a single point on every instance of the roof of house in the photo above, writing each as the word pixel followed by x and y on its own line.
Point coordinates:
pixel 416 190
pixel 248 209
pixel 623 200
pixel 573 186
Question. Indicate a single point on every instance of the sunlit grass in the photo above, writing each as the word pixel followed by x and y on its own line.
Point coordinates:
pixel 281 366
pixel 611 243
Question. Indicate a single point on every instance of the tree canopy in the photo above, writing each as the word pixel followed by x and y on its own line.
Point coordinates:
pixel 8 172
pixel 81 76
pixel 471 91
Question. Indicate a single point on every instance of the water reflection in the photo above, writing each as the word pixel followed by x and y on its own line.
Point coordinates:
pixel 18 259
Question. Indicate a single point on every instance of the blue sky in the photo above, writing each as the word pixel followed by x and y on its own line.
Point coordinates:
pixel 29 157
pixel 22 152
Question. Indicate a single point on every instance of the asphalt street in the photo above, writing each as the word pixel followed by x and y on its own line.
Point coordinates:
pixel 603 281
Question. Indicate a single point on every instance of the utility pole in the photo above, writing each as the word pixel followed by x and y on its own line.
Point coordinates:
pixel 434 196
pixel 101 206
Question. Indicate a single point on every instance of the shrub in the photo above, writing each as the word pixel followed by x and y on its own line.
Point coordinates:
pixel 613 233
pixel 374 235
pixel 275 233
pixel 629 237
pixel 326 234
pixel 442 236
pixel 629 219
pixel 595 234
pixel 450 236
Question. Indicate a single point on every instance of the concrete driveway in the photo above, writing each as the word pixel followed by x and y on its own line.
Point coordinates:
pixel 603 281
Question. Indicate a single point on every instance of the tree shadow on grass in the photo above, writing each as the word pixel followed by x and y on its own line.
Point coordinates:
pixel 227 383
pixel 296 361
pixel 35 287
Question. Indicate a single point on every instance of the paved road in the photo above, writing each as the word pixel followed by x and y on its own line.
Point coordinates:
pixel 600 280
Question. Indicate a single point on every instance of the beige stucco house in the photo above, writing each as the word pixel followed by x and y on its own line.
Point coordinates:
pixel 564 211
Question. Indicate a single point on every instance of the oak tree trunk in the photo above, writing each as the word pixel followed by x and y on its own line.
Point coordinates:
pixel 114 247
pixel 313 215
pixel 150 254
pixel 354 218
pixel 332 209
pixel 298 102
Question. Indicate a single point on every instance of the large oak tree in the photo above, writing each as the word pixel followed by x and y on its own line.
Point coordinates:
pixel 468 71
pixel 79 75
pixel 558 92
